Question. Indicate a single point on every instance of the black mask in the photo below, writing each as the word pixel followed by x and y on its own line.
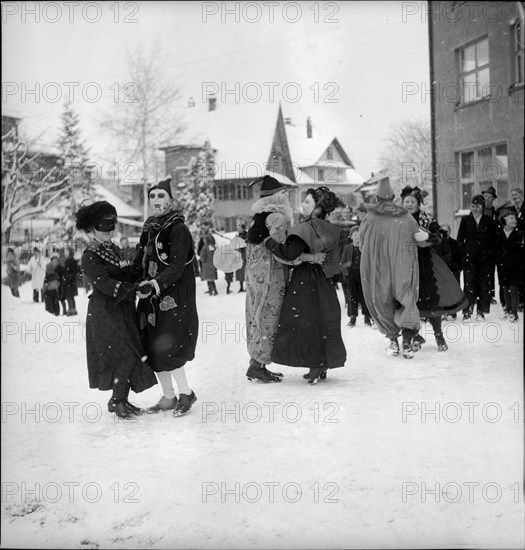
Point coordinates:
pixel 106 225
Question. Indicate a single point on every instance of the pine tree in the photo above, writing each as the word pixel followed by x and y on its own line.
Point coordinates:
pixel 197 200
pixel 75 169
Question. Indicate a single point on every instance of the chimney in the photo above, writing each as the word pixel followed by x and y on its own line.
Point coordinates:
pixel 191 102
pixel 308 128
pixel 212 102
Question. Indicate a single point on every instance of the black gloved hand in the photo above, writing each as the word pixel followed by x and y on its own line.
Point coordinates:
pixel 126 291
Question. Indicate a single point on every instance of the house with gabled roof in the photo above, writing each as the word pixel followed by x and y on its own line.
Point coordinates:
pixel 252 140
pixel 320 159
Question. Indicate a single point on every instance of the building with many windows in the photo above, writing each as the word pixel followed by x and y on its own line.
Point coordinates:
pixel 477 72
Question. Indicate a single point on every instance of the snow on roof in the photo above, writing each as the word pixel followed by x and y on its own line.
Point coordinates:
pixel 124 210
pixel 303 150
pixel 241 133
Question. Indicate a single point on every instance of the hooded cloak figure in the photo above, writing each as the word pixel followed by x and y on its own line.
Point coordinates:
pixel 389 268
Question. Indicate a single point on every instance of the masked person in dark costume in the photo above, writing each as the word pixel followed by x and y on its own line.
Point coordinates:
pixel 167 309
pixel 115 357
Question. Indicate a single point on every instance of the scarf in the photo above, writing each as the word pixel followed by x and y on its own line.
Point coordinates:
pixel 109 252
pixel 152 227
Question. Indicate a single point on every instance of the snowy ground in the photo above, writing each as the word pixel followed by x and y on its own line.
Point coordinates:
pixel 357 461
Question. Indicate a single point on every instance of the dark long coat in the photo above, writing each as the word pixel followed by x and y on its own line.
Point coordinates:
pixel 439 290
pixel 168 321
pixel 510 258
pixel 114 348
pixel 477 242
pixel 309 331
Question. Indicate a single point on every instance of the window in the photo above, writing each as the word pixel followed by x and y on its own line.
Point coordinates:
pixel 466 171
pixel 482 168
pixel 330 153
pixel 519 51
pixel 474 71
pixel 320 174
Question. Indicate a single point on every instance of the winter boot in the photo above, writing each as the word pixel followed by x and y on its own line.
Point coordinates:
pixel 352 321
pixel 261 374
pixel 184 405
pixel 368 322
pixel 118 406
pixel 417 342
pixel 278 374
pixel 164 404
pixel 393 348
pixel 408 351
pixel 315 375
pixel 440 341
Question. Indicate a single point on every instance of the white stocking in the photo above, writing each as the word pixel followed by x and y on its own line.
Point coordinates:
pixel 182 383
pixel 166 383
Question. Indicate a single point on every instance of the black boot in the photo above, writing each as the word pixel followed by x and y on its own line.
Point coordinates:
pixel 440 341
pixel 408 351
pixel 185 403
pixel 315 375
pixel 417 342
pixel 133 409
pixel 118 406
pixel 257 371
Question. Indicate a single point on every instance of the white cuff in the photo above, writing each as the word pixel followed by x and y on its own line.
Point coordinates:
pixel 156 285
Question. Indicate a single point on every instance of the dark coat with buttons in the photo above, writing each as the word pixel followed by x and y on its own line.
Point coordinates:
pixel 168 321
pixel 510 258
pixel 113 343
pixel 477 242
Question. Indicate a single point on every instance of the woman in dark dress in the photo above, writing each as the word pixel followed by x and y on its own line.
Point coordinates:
pixel 167 309
pixel 115 357
pixel 309 332
pixel 439 291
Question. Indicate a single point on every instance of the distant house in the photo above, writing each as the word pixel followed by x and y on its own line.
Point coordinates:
pixel 252 140
pixel 321 160
pixel 477 67
pixel 369 187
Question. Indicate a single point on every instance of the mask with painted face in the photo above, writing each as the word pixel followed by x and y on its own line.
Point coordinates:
pixel 160 202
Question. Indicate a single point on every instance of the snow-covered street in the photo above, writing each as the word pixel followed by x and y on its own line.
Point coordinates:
pixel 387 452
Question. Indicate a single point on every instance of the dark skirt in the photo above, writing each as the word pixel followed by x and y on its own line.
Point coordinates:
pixel 439 290
pixel 114 348
pixel 309 332
pixel 170 324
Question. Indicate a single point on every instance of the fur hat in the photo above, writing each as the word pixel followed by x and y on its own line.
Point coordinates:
pixel 384 190
pixel 492 191
pixel 164 185
pixel 94 214
pixel 269 185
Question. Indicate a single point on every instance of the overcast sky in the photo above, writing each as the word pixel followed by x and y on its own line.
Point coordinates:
pixel 349 61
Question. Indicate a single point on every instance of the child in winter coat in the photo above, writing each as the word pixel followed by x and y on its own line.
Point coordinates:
pixel 51 287
pixel 209 272
pixel 350 266
pixel 510 262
